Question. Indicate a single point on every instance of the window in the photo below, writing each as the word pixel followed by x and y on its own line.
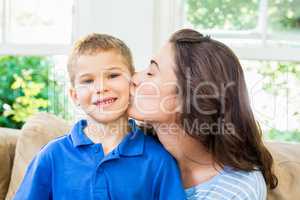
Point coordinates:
pixel 37 22
pixel 229 15
pixel 258 29
pixel 36 26
pixel 275 98
pixel 29 84
pixel 35 36
pixel 1 20
pixel 283 17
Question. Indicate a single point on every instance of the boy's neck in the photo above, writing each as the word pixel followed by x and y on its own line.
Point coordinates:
pixel 108 134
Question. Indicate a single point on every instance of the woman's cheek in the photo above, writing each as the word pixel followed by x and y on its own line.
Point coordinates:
pixel 148 88
pixel 168 104
pixel 146 104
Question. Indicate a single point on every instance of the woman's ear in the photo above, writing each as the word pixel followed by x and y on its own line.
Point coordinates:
pixel 179 104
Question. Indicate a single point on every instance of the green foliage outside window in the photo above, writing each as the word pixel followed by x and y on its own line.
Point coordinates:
pixel 276 76
pixel 282 79
pixel 220 14
pixel 289 136
pixel 284 15
pixel 26 88
pixel 28 103
pixel 241 15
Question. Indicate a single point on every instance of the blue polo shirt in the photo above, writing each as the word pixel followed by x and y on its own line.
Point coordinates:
pixel 72 167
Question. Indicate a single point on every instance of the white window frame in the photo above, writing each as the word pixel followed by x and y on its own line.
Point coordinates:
pixel 34 49
pixel 170 16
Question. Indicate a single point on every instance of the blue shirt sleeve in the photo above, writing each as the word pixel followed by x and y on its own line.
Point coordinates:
pixel 168 181
pixel 36 184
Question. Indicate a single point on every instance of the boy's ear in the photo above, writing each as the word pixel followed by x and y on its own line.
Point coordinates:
pixel 73 95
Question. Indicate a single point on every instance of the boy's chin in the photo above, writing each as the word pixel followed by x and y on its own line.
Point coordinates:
pixel 107 118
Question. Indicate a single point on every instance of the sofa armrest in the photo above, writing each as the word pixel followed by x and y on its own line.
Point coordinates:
pixel 287 169
pixel 8 140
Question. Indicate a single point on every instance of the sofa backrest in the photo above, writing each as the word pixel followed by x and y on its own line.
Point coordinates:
pixel 36 132
pixel 287 169
pixel 43 127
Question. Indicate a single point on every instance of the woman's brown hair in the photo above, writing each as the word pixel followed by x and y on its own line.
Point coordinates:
pixel 216 108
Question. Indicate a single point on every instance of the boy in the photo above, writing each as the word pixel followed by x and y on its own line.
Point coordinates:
pixel 104 156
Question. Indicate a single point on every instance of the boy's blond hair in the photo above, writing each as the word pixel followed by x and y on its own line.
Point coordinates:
pixel 95 43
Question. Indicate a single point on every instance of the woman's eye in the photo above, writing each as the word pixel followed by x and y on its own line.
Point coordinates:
pixel 150 73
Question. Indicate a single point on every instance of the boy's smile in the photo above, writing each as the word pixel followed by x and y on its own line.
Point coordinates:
pixel 101 85
pixel 104 102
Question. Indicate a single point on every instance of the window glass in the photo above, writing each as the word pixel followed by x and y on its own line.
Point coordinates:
pixel 1 20
pixel 222 15
pixel 31 84
pixel 284 19
pixel 275 98
pixel 37 21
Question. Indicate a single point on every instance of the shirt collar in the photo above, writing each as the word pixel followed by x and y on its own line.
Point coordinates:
pixel 78 136
pixel 131 145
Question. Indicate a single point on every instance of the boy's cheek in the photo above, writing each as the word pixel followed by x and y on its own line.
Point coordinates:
pixel 126 78
pixel 121 85
pixel 83 95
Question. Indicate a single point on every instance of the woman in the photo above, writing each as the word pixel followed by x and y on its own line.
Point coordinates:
pixel 194 96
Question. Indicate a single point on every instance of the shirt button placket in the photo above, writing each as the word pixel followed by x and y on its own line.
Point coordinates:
pixel 97 149
pixel 100 188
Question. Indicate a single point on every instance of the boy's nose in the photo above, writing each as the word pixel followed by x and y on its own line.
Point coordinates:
pixel 99 91
pixel 101 88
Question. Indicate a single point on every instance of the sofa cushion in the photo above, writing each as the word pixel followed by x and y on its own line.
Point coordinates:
pixel 287 169
pixel 36 132
pixel 44 127
pixel 8 140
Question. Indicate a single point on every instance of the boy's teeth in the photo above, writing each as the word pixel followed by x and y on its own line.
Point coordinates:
pixel 107 101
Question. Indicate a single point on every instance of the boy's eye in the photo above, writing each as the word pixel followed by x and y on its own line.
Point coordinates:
pixel 114 75
pixel 86 81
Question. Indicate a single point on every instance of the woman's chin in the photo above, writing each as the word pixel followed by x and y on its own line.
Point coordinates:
pixel 134 113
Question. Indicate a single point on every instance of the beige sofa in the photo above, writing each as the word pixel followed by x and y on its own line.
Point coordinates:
pixel 18 147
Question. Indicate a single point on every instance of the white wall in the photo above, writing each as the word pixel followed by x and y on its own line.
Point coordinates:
pixel 132 21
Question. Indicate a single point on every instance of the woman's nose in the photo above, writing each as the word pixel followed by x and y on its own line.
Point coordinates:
pixel 134 83
pixel 135 79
